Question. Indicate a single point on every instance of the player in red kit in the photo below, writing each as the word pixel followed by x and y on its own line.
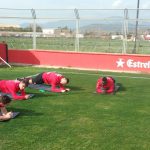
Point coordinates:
pixel 105 85
pixel 50 78
pixel 13 87
pixel 5 115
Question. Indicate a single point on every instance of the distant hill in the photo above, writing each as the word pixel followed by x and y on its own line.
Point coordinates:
pixel 56 24
pixel 113 25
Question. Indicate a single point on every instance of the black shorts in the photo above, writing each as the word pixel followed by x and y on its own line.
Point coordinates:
pixel 38 79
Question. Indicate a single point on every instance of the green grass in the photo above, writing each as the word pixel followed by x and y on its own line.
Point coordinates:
pixel 68 44
pixel 79 119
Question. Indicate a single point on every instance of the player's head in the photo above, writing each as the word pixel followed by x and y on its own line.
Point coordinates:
pixel 23 84
pixel 30 80
pixel 104 80
pixel 64 81
pixel 4 99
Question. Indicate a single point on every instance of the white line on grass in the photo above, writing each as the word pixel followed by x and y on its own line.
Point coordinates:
pixel 134 77
pixel 98 74
pixel 105 75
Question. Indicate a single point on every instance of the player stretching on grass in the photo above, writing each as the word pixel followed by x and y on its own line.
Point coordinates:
pixel 5 115
pixel 50 78
pixel 13 86
pixel 106 85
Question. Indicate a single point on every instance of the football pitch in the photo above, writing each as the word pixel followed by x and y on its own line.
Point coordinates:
pixel 79 119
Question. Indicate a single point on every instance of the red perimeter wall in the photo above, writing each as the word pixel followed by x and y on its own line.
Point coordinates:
pixel 114 62
pixel 3 51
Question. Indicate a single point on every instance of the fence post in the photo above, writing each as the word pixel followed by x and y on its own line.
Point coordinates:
pixel 77 45
pixel 125 30
pixel 136 27
pixel 34 28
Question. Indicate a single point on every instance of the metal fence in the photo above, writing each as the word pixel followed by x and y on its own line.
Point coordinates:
pixel 85 30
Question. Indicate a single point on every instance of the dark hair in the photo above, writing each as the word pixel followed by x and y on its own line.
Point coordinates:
pixel 104 79
pixel 67 80
pixel 5 99
pixel 25 81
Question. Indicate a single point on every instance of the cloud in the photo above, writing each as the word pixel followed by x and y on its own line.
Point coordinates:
pixel 117 4
pixel 146 5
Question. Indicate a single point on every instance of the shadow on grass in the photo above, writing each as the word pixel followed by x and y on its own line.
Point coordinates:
pixel 46 94
pixel 42 94
pixel 26 112
pixel 122 88
pixel 50 93
pixel 75 88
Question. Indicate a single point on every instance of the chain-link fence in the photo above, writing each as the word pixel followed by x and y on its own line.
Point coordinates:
pixel 85 30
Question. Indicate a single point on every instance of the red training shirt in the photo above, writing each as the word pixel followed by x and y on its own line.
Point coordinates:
pixel 12 87
pixel 1 105
pixel 53 79
pixel 109 87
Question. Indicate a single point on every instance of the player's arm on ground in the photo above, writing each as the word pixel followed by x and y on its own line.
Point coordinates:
pixel 55 89
pixel 111 87
pixel 15 96
pixel 98 87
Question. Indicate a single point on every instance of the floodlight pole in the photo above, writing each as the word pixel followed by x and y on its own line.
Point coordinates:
pixel 136 28
pixel 77 30
pixel 34 28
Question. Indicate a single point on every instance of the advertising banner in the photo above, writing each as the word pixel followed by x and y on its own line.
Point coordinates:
pixel 100 61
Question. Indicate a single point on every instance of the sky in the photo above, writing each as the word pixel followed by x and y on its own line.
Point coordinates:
pixel 71 4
